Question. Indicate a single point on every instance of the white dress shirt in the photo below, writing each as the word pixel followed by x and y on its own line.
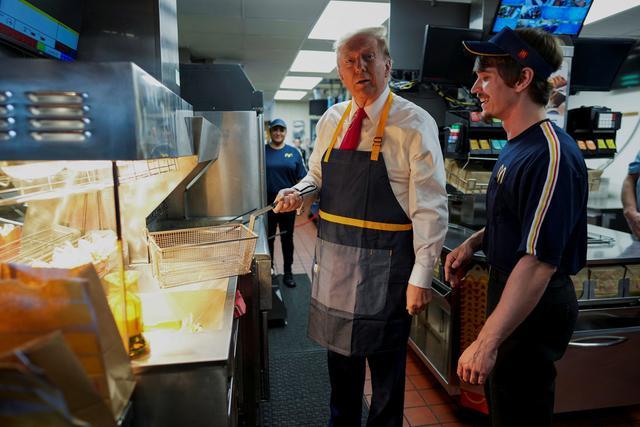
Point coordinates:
pixel 413 158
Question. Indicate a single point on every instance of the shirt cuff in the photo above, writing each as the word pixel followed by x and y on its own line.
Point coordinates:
pixel 421 276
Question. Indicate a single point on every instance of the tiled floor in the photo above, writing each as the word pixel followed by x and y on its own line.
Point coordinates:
pixel 426 402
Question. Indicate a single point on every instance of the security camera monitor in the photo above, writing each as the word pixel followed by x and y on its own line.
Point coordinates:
pixel 560 17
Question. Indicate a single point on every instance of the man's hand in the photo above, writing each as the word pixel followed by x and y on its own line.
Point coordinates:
pixel 456 263
pixel 633 219
pixel 477 362
pixel 417 299
pixel 288 199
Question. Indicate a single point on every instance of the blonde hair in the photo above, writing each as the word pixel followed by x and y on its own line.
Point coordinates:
pixel 377 33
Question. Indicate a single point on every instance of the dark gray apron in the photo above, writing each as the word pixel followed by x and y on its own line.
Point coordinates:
pixel 363 256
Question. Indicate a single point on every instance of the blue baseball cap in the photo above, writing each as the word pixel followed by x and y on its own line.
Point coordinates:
pixel 278 122
pixel 508 43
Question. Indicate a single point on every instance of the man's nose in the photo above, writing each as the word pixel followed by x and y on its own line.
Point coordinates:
pixel 475 89
pixel 361 64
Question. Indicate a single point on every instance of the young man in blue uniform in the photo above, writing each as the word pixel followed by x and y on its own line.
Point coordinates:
pixel 284 168
pixel 535 235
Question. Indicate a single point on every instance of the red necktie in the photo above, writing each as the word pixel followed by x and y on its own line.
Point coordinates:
pixel 352 137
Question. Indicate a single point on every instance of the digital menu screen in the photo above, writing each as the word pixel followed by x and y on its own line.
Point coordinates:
pixel 47 28
pixel 560 17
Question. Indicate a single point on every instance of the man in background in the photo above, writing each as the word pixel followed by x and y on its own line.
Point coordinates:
pixel 284 167
pixel 631 197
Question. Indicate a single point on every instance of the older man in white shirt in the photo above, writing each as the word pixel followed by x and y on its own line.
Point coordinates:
pixel 383 218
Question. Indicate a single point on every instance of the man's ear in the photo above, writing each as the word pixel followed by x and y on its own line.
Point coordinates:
pixel 387 67
pixel 526 77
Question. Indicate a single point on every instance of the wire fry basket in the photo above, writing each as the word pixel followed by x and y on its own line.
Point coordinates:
pixel 195 254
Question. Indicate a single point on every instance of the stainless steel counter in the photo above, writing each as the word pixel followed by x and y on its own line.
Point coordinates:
pixel 624 249
pixel 186 324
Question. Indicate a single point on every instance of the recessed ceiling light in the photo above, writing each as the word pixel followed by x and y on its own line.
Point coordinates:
pixel 289 95
pixel 297 82
pixel 314 61
pixel 342 17
pixel 600 10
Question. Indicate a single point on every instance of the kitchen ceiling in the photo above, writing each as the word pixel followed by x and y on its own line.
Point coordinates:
pixel 262 35
pixel 266 35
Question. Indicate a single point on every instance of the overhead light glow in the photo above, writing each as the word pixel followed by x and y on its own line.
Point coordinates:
pixel 289 95
pixel 297 82
pixel 342 17
pixel 603 9
pixel 314 61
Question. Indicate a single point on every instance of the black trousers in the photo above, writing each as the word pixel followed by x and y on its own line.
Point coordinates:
pixel 347 376
pixel 285 222
pixel 521 388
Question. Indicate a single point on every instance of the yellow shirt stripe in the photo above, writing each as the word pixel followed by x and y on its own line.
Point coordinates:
pixel 549 186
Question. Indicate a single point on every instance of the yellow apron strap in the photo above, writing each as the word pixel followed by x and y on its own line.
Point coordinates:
pixel 372 225
pixel 337 132
pixel 377 141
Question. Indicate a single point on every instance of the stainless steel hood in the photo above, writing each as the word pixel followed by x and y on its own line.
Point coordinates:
pixel 51 110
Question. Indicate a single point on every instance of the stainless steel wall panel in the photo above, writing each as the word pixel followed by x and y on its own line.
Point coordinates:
pixel 232 185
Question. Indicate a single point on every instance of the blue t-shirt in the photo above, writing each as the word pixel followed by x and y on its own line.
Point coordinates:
pixel 537 201
pixel 634 168
pixel 284 169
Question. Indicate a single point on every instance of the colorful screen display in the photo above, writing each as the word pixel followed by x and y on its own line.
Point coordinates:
pixel 42 27
pixel 561 17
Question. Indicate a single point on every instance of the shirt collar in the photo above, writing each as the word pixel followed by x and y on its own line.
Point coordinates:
pixel 374 109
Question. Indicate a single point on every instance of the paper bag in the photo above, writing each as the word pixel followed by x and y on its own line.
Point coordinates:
pixel 27 399
pixel 35 301
pixel 52 358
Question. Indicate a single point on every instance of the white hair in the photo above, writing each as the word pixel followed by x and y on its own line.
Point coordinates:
pixel 377 33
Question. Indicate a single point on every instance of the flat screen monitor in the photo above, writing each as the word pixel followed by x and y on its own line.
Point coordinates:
pixel 561 17
pixel 48 28
pixel 596 62
pixel 445 60
pixel 629 74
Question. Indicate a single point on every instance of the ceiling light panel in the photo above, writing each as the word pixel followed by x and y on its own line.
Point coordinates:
pixel 289 95
pixel 297 82
pixel 603 9
pixel 314 61
pixel 342 17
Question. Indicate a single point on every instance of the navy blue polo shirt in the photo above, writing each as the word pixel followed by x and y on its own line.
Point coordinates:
pixel 284 169
pixel 537 201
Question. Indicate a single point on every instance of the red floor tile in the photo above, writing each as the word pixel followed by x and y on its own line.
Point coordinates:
pixel 444 413
pixel 421 416
pixel 415 368
pixel 405 423
pixel 423 381
pixel 408 385
pixel 412 399
pixel 434 396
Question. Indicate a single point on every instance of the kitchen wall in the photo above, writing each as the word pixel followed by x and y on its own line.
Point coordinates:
pixel 290 112
pixel 627 102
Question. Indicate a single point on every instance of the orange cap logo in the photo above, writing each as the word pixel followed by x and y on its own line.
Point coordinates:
pixel 523 54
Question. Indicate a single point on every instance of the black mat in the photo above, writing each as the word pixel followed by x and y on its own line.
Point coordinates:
pixel 298 367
